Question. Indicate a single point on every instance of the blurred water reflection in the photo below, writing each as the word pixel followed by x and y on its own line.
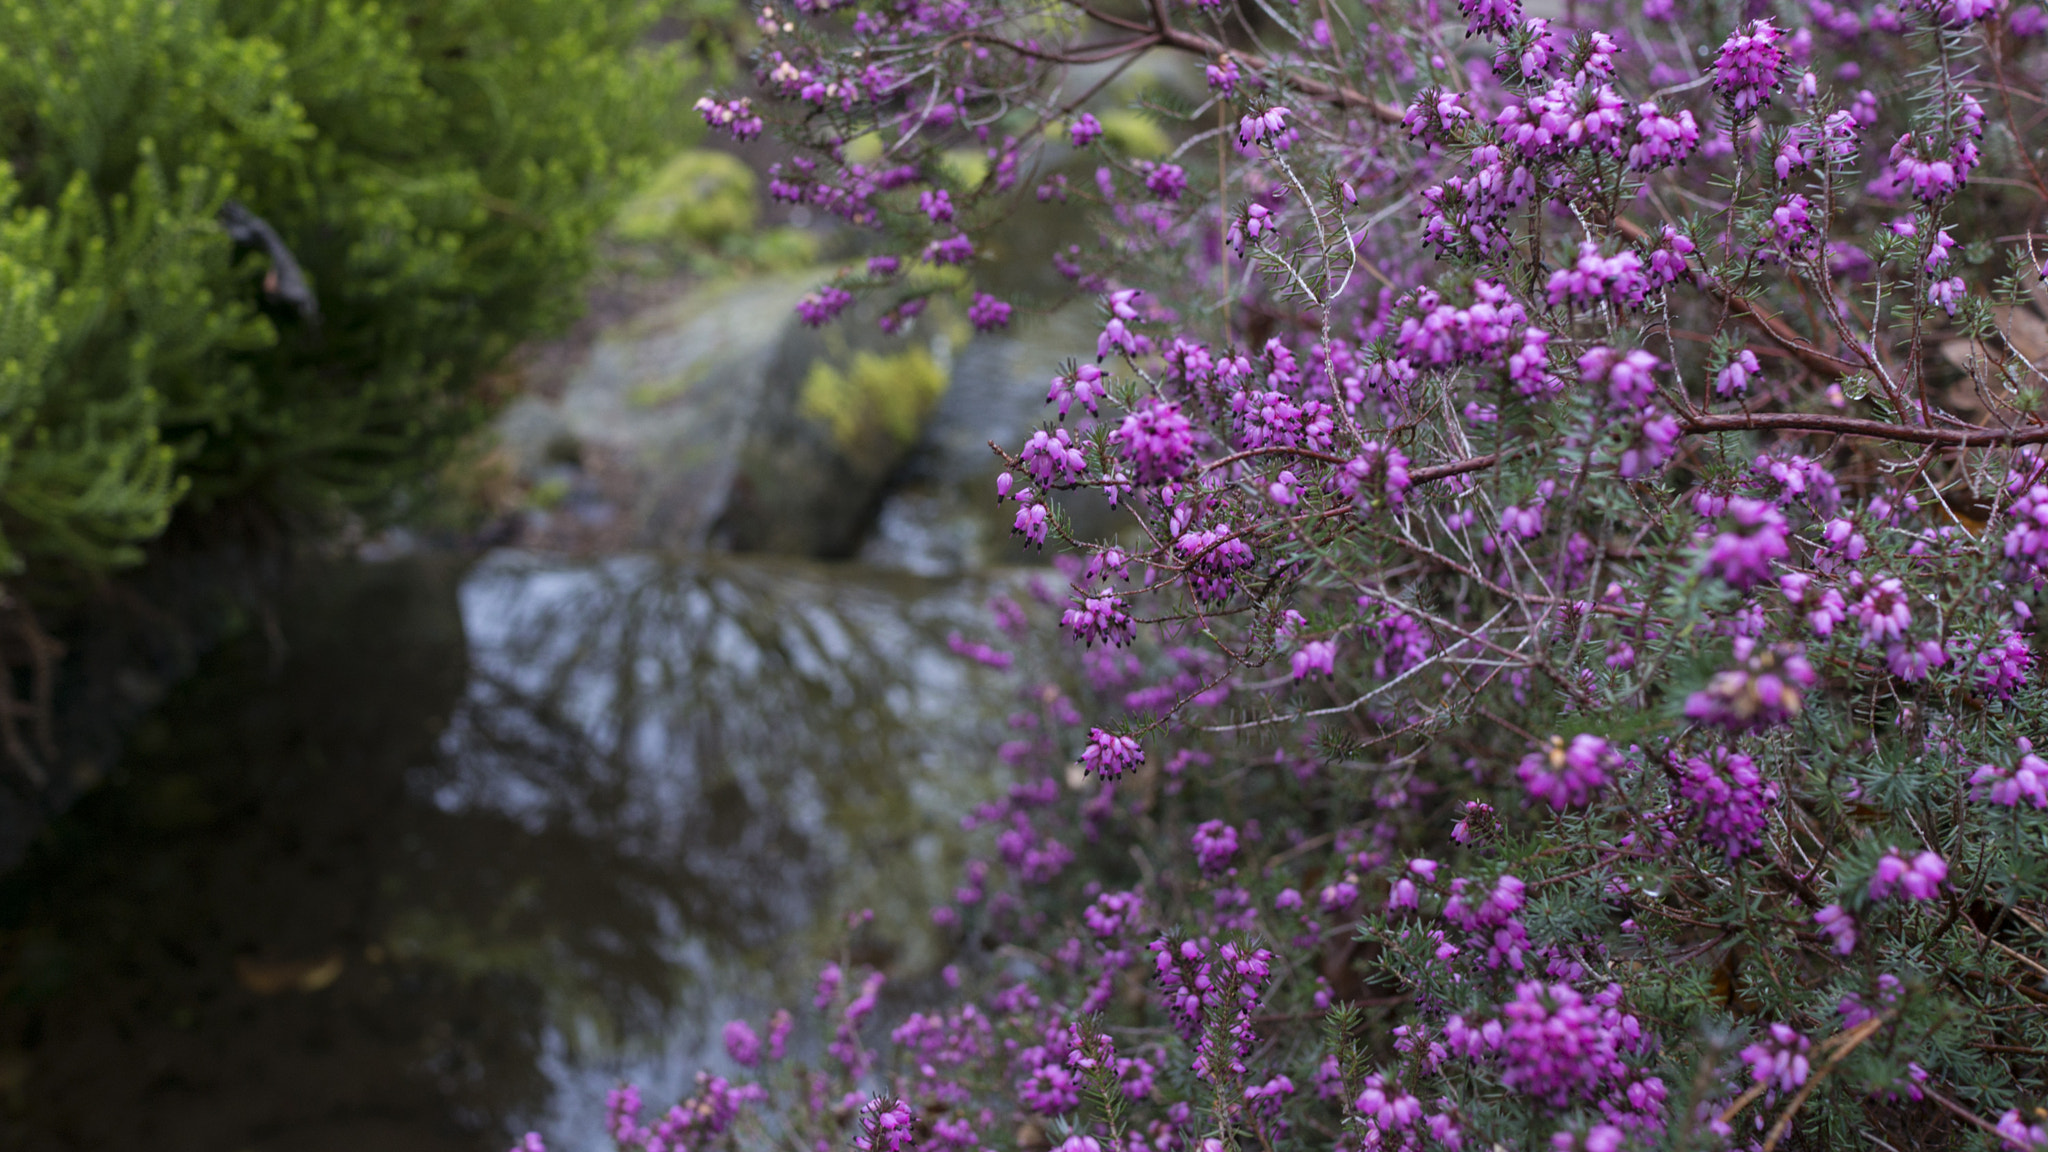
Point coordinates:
pixel 469 846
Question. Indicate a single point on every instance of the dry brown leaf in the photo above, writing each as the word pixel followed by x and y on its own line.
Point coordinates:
pixel 270 977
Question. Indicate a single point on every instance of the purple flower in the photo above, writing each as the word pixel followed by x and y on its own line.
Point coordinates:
pixel 1946 294
pixel 1222 76
pixel 1918 879
pixel 1743 557
pixel 1476 824
pixel 1404 643
pixel 1263 126
pixel 1338 897
pixel 987 313
pixel 823 306
pixel 1315 657
pixel 1630 376
pixel 733 116
pixel 1883 612
pixel 1113 912
pixel 1733 379
pixel 886 1125
pixel 1386 1108
pixel 1109 755
pixel 1116 334
pixel 1402 893
pixel 1567 776
pixel 1958 13
pixel 1157 441
pixel 1730 798
pixel 1931 179
pixel 1032 520
pixel 2027 780
pixel 1378 470
pixel 1937 252
pixel 1662 140
pixel 1598 1138
pixel 1912 662
pixel 898 318
pixel 1779 1060
pixel 1529 367
pixel 2018 1135
pixel 2002 667
pixel 935 203
pixel 1839 925
pixel 1551 1042
pixel 1084 385
pixel 1167 181
pixel 1594 277
pixel 742 1044
pixel 1764 693
pixel 622 1114
pixel 1099 618
pixel 1499 16
pixel 2027 541
pixel 1215 843
pixel 1085 131
pixel 829 979
pixel 1746 69
pixel 951 250
pixel 1792 225
pixel 1052 456
pixel 1213 556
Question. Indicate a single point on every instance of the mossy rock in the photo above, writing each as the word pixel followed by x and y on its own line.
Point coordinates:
pixel 701 196
pixel 879 400
pixel 843 409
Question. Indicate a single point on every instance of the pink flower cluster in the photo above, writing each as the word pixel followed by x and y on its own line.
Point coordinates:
pixel 1747 68
pixel 1552 1042
pixel 1766 692
pixel 1215 845
pixel 1779 1059
pixel 2027 780
pixel 1917 879
pixel 1568 776
pixel 1743 556
pixel 1109 755
pixel 1730 798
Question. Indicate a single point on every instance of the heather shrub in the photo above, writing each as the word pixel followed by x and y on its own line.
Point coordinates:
pixel 1569 674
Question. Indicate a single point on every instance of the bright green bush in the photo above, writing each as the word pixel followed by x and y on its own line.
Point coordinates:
pixel 438 168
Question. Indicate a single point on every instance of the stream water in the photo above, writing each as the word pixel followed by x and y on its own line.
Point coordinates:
pixel 448 849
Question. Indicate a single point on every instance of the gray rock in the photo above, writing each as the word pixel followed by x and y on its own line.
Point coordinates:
pixel 843 409
pixel 662 403
pixel 715 417
pixel 943 517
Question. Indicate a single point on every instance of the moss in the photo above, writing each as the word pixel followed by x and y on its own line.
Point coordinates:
pixel 965 167
pixel 1134 134
pixel 875 396
pixel 783 249
pixel 700 196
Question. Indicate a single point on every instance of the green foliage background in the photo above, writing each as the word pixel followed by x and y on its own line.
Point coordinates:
pixel 439 168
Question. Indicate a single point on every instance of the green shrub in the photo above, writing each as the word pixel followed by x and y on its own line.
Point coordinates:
pixel 438 168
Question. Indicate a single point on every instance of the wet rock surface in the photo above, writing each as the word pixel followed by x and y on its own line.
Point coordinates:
pixel 715 418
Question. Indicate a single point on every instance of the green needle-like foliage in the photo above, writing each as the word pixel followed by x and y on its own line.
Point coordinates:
pixel 438 169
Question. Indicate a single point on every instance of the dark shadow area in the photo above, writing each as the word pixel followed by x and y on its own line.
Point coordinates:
pixel 445 853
